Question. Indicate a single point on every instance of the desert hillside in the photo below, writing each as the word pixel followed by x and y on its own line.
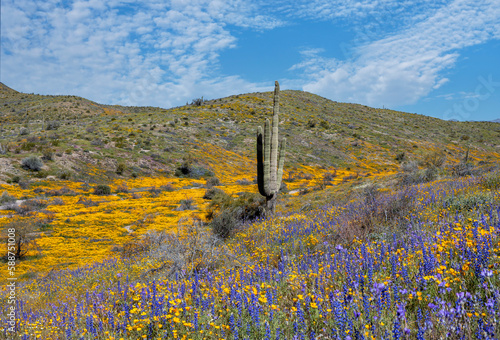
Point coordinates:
pixel 146 222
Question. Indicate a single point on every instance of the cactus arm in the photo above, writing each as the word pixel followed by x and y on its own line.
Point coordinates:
pixel 281 163
pixel 276 99
pixel 260 162
pixel 267 158
pixel 274 140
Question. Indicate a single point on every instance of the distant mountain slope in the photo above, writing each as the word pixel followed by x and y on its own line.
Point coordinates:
pixel 320 133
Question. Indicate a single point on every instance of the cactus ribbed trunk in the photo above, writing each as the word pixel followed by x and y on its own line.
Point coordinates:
pixel 270 157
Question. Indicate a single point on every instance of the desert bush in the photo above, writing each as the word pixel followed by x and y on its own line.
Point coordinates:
pixel 197 101
pixel 223 223
pixel 303 175
pixel 211 182
pixel 192 248
pixel 463 169
pixel 167 187
pixel 411 166
pixel 410 174
pixel 226 213
pixel 48 155
pixel 24 184
pixel 211 193
pixel 53 125
pixel 283 187
pixel 33 205
pixel 122 188
pixel 120 168
pixel 64 174
pixel 311 123
pixel 156 157
pixel 491 180
pixel 187 169
pixel 243 181
pixel 186 204
pixel 154 191
pixel 327 179
pixel 87 202
pixel 32 163
pixel 23 233
pixel 400 156
pixel 57 201
pixel 434 159
pixel 64 191
pixel 102 189
pixel 289 178
pixel 374 211
pixel 468 202
pixel 6 198
pixel 97 142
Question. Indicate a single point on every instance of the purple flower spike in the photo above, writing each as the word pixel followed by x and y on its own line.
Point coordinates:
pixel 486 272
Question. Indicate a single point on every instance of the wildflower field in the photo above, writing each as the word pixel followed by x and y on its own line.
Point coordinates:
pixel 145 223
pixel 434 274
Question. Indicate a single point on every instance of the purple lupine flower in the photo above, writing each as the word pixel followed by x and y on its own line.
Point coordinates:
pixel 486 272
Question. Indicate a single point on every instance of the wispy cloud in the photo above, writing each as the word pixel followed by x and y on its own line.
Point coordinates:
pixel 404 67
pixel 165 53
pixel 155 53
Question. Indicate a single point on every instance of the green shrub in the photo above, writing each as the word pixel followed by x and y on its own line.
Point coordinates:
pixel 400 156
pixel 226 213
pixel 491 181
pixel 223 224
pixel 64 174
pixel 211 193
pixel 462 169
pixel 434 159
pixel 211 182
pixel 48 155
pixel 467 202
pixel 187 169
pixel 197 101
pixel 187 204
pixel 32 163
pixel 87 202
pixel 120 168
pixel 102 189
pixel 53 125
pixel 6 198
pixel 410 174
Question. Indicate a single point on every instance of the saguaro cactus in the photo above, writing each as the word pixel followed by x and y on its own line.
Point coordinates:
pixel 269 164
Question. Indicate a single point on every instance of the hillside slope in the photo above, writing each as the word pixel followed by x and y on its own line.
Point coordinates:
pixel 148 140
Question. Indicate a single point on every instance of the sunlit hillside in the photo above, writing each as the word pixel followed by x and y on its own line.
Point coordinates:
pixel 146 223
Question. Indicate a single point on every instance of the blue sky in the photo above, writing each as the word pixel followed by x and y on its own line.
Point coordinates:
pixel 437 58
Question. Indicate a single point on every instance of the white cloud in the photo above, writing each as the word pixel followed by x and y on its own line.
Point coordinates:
pixel 155 53
pixel 165 53
pixel 404 67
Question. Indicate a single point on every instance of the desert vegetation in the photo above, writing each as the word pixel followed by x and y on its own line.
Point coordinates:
pixel 135 225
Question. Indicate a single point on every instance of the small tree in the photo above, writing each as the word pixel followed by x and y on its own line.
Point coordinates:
pixel 20 237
